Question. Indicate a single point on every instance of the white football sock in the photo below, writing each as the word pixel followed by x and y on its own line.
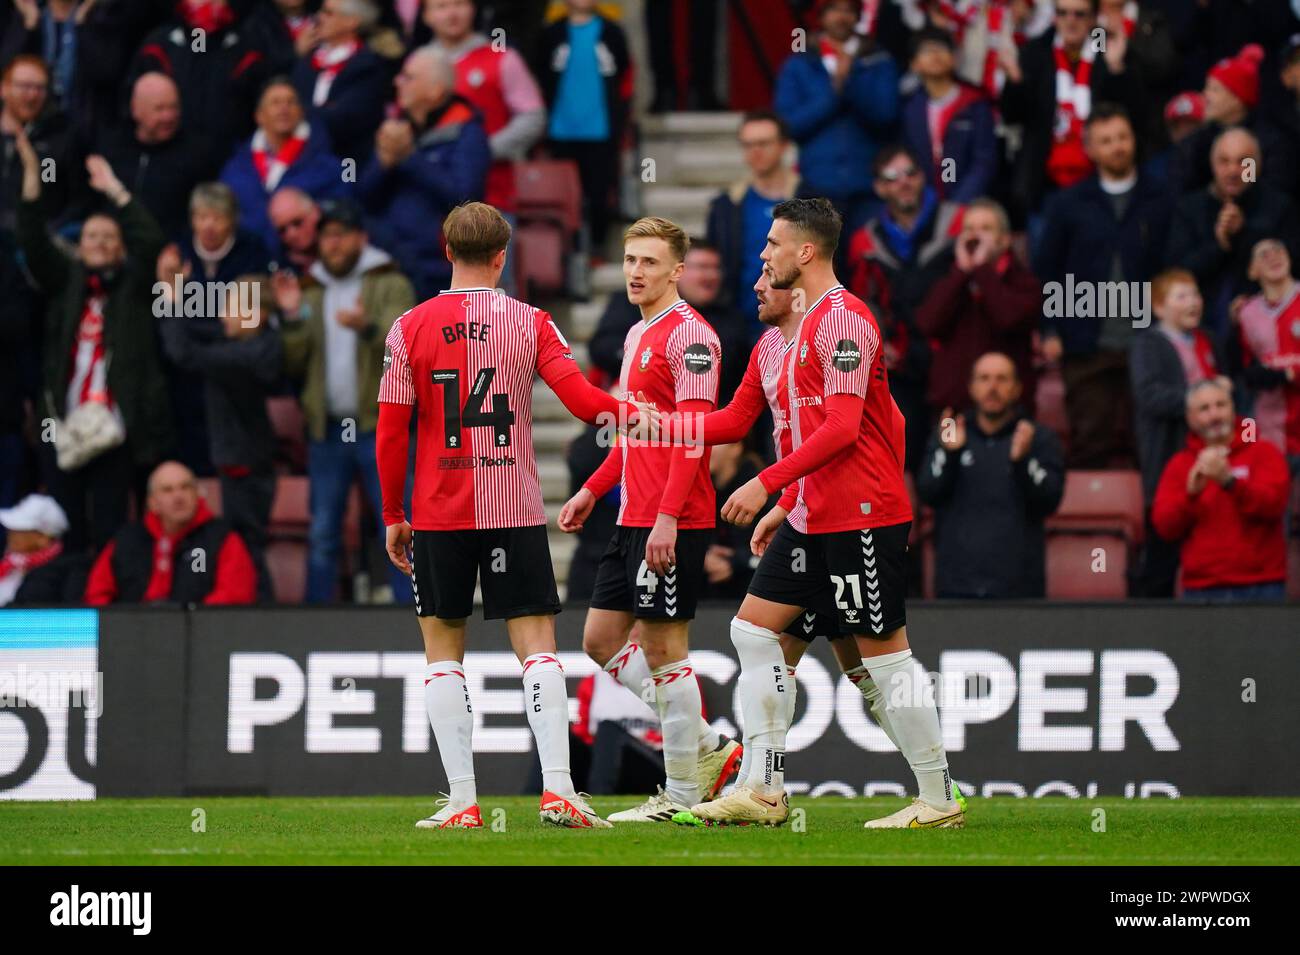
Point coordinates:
pixel 677 697
pixel 764 701
pixel 860 678
pixel 915 718
pixel 547 703
pixel 447 702
pixel 630 668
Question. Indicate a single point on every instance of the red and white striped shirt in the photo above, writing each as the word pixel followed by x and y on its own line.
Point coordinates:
pixel 671 358
pixel 837 351
pixel 467 359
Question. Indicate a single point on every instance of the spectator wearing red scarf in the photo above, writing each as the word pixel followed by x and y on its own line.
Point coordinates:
pixel 1165 361
pixel 285 151
pixel 948 123
pixel 1052 84
pixel 343 83
pixel 34 568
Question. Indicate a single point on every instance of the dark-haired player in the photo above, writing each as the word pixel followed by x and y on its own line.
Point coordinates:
pixel 847 466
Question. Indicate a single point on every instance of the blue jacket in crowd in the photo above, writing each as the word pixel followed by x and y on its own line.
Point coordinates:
pixel 969 141
pixel 838 133
pixel 405 205
pixel 316 172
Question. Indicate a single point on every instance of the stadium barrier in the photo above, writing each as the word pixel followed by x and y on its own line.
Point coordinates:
pixel 1138 700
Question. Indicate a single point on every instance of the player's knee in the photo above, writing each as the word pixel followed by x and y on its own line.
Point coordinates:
pixel 754 644
pixel 600 644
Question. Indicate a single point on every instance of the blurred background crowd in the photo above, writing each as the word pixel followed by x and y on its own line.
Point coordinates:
pixel 1075 221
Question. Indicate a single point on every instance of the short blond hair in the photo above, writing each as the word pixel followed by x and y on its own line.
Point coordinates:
pixel 655 227
pixel 475 232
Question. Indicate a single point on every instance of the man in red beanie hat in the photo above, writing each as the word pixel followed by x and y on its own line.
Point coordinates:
pixel 1231 96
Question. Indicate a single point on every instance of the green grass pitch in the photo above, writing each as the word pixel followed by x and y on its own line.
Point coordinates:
pixel 380 830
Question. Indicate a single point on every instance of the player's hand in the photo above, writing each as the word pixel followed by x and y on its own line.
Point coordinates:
pixel 661 545
pixel 1022 439
pixel 765 529
pixel 743 506
pixel 398 544
pixel 575 511
pixel 952 430
pixel 717 563
pixel 649 422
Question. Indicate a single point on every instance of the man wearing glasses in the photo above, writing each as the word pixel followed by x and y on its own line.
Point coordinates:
pixel 1052 84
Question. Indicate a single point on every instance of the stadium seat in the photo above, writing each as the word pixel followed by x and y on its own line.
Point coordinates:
pixel 549 190
pixel 539 259
pixel 290 428
pixel 291 508
pixel 1101 501
pixel 286 561
pixel 1050 395
pixel 1087 566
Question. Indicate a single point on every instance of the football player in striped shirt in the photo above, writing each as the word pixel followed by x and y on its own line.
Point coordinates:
pixel 467 359
pixel 650 575
pixel 847 467
pixel 765 385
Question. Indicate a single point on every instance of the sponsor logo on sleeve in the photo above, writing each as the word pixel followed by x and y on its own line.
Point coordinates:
pixel 698 359
pixel 388 358
pixel 847 355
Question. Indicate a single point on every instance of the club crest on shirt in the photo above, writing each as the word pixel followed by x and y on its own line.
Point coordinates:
pixel 697 358
pixel 475 77
pixel 803 354
pixel 645 358
pixel 847 356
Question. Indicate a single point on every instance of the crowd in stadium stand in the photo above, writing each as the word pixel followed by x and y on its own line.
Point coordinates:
pixel 1074 220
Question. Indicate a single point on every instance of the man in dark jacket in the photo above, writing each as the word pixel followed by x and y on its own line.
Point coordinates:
pixel 1214 229
pixel 219 77
pixel 19 368
pixel 179 553
pixel 1052 82
pixel 343 83
pixel 426 163
pixel 34 567
pixel 25 106
pixel 214 250
pixel 239 361
pixel 987 302
pixel 1126 213
pixel 154 157
pixel 892 262
pixel 839 99
pixel 993 477
pixel 99 344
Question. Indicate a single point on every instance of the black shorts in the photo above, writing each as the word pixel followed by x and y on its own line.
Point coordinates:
pixel 513 564
pixel 624 582
pixel 856 579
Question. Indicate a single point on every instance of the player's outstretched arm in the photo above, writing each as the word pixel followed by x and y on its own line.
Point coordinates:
pixel 838 431
pixel 725 425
